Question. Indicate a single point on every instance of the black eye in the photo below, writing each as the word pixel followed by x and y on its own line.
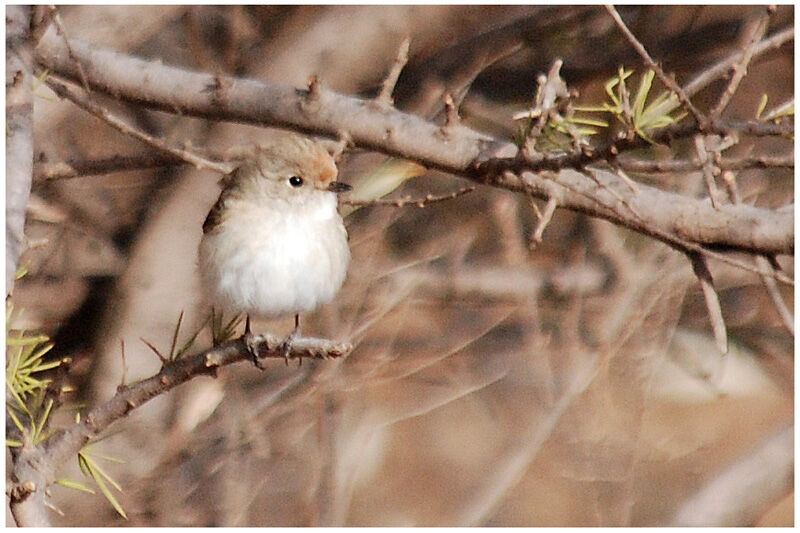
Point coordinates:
pixel 296 181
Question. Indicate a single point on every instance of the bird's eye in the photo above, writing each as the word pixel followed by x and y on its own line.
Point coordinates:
pixel 296 181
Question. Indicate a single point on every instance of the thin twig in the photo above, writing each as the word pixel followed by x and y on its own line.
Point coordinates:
pixel 709 170
pixel 592 173
pixel 733 188
pixel 757 31
pixel 117 123
pixel 627 179
pixel 667 237
pixel 544 219
pixel 60 27
pixel 718 69
pixel 666 80
pixel 725 163
pixel 385 96
pixel 409 201
pixel 765 264
pixel 451 112
pixel 78 168
pixel 774 293
pixel 700 267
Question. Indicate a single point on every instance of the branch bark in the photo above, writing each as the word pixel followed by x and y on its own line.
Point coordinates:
pixel 457 150
pixel 36 466
pixel 19 132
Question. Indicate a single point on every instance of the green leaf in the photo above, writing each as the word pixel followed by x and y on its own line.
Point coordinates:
pixel 90 467
pixel 641 94
pixel 190 342
pixel 69 483
pixel 38 436
pixel 26 341
pixel 589 122
pixel 110 497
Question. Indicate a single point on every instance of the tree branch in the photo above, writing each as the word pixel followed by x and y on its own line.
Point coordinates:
pixel 19 132
pixel 77 168
pixel 725 163
pixel 120 125
pixel 650 62
pixel 718 69
pixel 35 468
pixel 458 150
pixel 756 32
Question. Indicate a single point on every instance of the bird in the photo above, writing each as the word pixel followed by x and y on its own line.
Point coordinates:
pixel 274 243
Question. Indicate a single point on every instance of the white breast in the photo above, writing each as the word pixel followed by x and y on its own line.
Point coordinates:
pixel 272 259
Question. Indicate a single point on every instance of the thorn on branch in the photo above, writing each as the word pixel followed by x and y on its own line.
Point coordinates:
pixel 314 85
pixel 384 98
pixel 122 385
pixel 311 102
pixel 733 189
pixel 709 169
pixel 345 140
pixel 451 113
pixel 155 351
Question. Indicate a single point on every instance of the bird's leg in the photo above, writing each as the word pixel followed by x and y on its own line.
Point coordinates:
pixel 252 345
pixel 286 345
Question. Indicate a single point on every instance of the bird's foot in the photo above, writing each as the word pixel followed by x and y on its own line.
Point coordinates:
pixel 286 347
pixel 255 347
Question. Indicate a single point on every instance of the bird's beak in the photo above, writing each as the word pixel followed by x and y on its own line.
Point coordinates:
pixel 338 186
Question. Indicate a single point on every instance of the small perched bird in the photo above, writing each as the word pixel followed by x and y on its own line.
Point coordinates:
pixel 274 244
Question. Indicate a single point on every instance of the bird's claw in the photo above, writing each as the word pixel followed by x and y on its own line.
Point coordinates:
pixel 254 349
pixel 286 348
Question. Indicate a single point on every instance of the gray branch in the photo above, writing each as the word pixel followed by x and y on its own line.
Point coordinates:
pixel 456 149
pixel 19 132
pixel 35 468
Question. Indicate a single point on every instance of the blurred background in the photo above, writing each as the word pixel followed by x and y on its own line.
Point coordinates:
pixel 574 384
